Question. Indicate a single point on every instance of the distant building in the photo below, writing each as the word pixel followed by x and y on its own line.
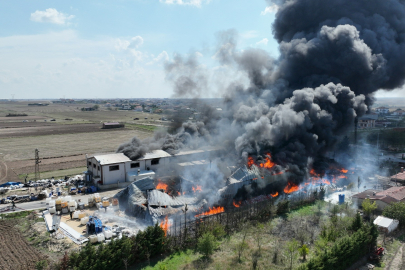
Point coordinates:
pixel 398 112
pixel 138 108
pixel 383 110
pixel 113 125
pixel 366 122
pixel 382 198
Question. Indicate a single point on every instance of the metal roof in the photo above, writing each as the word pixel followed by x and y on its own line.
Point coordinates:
pixel 155 154
pixel 157 197
pixel 112 158
pixel 145 184
pixel 383 221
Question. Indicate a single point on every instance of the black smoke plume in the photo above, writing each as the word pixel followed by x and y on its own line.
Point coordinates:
pixel 333 56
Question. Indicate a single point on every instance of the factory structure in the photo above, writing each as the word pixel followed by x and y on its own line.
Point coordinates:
pixel 116 169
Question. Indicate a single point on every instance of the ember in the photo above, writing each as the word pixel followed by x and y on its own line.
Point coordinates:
pixel 291 187
pixel 214 210
pixel 165 225
pixel 198 188
pixel 237 204
pixel 274 194
pixel 161 185
pixel 343 170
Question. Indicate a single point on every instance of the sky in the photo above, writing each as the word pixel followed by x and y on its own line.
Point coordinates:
pixel 117 48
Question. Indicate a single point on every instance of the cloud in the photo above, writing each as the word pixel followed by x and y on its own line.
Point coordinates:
pixel 196 3
pixel 55 64
pixel 51 15
pixel 249 34
pixel 131 46
pixel 262 42
pixel 161 58
pixel 270 9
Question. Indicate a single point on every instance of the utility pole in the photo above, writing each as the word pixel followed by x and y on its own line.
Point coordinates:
pixel 37 161
pixel 378 138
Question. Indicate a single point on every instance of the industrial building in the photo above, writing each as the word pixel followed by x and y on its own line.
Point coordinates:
pixel 117 170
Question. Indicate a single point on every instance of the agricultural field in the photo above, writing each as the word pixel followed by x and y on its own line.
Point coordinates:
pixel 16 253
pixel 63 143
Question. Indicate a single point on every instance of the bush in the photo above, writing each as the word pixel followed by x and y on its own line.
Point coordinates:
pixel 345 251
pixel 396 211
pixel 206 244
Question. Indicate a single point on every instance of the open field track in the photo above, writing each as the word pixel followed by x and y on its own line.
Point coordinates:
pixel 58 152
pixel 22 148
pixel 15 252
pixel 41 130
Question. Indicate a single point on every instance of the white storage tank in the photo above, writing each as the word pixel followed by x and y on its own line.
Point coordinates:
pixel 100 237
pixel 47 200
pixel 93 239
pixel 84 220
pixel 107 234
pixel 52 210
pixel 52 203
pixel 76 214
pixel 72 203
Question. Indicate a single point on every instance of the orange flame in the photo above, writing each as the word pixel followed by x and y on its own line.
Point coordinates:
pixel 161 185
pixel 278 173
pixel 213 211
pixel 165 225
pixel 268 164
pixel 325 181
pixel 237 204
pixel 343 170
pixel 343 176
pixel 250 162
pixel 274 194
pixel 291 187
pixel 198 188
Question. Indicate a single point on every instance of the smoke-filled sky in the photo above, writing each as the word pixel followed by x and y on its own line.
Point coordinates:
pixel 109 49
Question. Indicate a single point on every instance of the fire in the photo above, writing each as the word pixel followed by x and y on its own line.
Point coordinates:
pixel 213 211
pixel 343 176
pixel 291 187
pixel 343 170
pixel 198 188
pixel 237 204
pixel 165 225
pixel 325 181
pixel 274 194
pixel 268 164
pixel 278 173
pixel 250 162
pixel 161 185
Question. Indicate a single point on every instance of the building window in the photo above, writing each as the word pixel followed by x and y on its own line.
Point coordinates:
pixel 94 166
pixel 90 163
pixel 98 167
pixel 135 165
pixel 155 161
pixel 114 168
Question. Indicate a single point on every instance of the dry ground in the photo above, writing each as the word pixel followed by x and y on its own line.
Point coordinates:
pixel 63 143
pixel 15 252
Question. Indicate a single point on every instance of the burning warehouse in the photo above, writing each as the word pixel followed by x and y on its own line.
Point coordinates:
pixel 297 107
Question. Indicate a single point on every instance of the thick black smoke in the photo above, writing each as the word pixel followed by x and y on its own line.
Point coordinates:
pixel 333 56
pixel 359 44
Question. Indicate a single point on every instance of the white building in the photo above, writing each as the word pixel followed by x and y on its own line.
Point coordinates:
pixel 113 169
pixel 384 110
pixel 385 224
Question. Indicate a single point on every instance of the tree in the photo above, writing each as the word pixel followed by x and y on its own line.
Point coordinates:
pixel 240 247
pixel 396 211
pixel 206 244
pixel 368 206
pixel 292 248
pixel 357 222
pixel 304 250
pixel 96 107
pixel 258 235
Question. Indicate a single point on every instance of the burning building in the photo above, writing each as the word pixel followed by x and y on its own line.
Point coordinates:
pixel 334 55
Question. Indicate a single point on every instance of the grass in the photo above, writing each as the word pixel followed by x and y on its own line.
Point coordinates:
pixel 15 215
pixel 67 144
pixel 173 262
pixel 56 174
pixel 145 127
